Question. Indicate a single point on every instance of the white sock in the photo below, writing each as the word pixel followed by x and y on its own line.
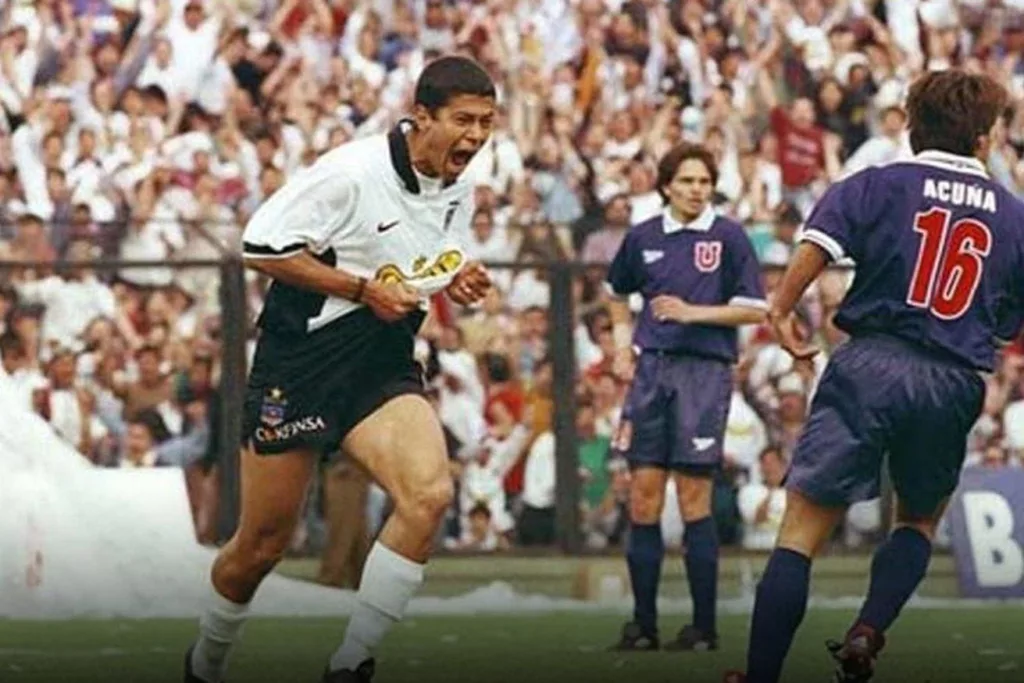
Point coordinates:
pixel 219 627
pixel 388 583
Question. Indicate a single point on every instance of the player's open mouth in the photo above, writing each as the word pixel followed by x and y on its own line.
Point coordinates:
pixel 460 157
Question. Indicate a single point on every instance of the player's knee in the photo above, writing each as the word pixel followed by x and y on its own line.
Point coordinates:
pixel 923 524
pixel 925 528
pixel 694 498
pixel 692 509
pixel 430 502
pixel 645 506
pixel 263 549
pixel 924 521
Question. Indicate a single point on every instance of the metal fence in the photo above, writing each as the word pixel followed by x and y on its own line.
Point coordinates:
pixel 236 328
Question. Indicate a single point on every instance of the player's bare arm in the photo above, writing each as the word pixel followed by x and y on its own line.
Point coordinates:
pixel 669 308
pixel 807 263
pixel 389 301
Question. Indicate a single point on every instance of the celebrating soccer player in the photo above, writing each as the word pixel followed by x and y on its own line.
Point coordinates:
pixel 354 245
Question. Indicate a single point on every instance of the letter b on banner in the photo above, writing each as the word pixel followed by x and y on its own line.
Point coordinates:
pixel 987 528
pixel 998 560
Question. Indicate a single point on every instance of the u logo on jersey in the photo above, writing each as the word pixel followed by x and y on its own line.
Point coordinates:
pixel 707 256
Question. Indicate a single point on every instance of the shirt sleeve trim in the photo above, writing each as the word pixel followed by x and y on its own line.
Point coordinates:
pixel 826 242
pixel 264 251
pixel 751 302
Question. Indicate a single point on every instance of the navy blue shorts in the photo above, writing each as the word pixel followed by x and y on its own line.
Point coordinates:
pixel 883 395
pixel 678 406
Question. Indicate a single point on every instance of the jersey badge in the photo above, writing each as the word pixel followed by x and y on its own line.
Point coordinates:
pixel 707 256
pixel 272 410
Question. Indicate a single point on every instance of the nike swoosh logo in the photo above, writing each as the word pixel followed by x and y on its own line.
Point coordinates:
pixel 384 227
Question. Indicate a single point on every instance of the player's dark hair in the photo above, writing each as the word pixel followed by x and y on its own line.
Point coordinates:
pixel 447 78
pixel 674 158
pixel 949 110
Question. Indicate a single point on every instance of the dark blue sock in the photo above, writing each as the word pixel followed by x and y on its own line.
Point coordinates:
pixel 899 565
pixel 644 555
pixel 700 548
pixel 781 603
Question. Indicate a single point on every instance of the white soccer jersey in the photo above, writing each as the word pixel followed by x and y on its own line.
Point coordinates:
pixel 364 209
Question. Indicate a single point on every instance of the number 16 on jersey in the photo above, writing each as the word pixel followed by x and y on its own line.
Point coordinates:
pixel 948 271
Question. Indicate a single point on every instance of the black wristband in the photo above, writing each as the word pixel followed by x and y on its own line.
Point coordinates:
pixel 359 290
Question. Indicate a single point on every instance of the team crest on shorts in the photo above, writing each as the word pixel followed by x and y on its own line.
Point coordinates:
pixel 272 411
pixel 707 256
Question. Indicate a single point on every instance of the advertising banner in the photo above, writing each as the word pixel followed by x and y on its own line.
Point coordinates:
pixel 986 519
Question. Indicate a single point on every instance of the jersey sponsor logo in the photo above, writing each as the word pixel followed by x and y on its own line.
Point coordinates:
pixel 421 268
pixel 702 443
pixel 384 227
pixel 288 430
pixel 707 256
pixel 272 410
pixel 652 255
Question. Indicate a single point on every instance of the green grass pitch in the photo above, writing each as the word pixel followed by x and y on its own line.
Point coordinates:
pixel 958 646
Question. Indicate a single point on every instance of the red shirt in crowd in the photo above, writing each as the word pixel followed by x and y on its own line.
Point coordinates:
pixel 801 150
pixel 294 20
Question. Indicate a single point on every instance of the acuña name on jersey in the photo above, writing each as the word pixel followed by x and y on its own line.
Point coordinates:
pixel 364 209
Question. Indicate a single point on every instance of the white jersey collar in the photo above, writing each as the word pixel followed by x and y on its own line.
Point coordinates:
pixel 701 223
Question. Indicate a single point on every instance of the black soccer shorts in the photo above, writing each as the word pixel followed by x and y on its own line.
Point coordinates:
pixel 309 391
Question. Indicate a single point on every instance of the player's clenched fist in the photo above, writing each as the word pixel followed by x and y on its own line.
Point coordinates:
pixel 470 284
pixel 390 301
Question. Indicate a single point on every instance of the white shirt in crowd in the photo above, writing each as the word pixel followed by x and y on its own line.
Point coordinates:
pixel 70 305
pixel 67 420
pixel 155 240
pixel 23 382
pixel 498 164
pixel 761 535
pixel 193 51
pixel 1013 426
pixel 539 474
pixel 876 151
pixel 461 407
pixel 483 478
pixel 745 435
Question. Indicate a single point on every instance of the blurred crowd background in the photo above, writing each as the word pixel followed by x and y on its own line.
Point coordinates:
pixel 150 130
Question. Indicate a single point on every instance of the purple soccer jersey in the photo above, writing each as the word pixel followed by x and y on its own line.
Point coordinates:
pixel 709 261
pixel 939 253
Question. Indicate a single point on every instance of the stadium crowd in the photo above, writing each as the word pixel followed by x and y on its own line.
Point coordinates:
pixel 151 129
